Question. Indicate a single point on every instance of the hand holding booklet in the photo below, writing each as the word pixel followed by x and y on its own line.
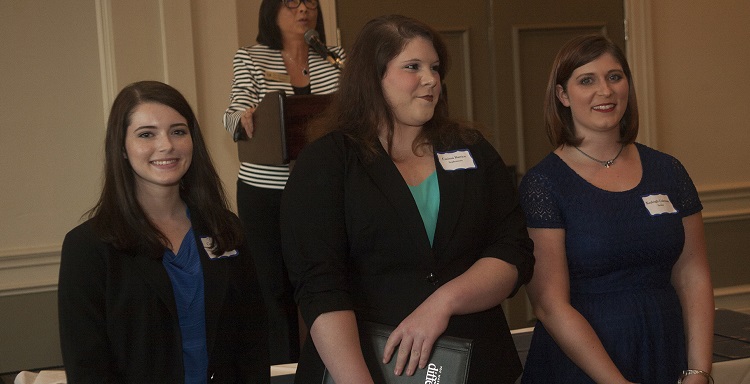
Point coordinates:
pixel 449 360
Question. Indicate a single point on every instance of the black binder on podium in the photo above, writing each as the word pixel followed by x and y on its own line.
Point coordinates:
pixel 280 122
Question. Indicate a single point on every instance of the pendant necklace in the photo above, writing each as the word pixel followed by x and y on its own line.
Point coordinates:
pixel 605 163
pixel 304 69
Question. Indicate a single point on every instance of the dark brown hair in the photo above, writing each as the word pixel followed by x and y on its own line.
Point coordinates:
pixel 268 31
pixel 118 216
pixel 575 53
pixel 359 106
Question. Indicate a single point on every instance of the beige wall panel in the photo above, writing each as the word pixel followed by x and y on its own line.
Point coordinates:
pixel 700 72
pixel 51 138
pixel 51 121
pixel 138 40
pixel 219 26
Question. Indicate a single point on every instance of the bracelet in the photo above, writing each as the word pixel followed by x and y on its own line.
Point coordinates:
pixel 689 372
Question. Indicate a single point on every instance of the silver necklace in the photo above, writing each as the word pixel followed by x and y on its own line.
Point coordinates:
pixel 304 69
pixel 605 163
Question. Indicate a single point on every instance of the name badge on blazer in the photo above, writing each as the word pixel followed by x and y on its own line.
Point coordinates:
pixel 455 160
pixel 207 245
pixel 276 76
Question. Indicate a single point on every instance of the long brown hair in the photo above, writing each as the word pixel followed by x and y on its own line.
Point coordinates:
pixel 575 53
pixel 119 218
pixel 359 106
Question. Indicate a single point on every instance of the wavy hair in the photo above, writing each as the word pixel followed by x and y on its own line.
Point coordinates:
pixel 359 107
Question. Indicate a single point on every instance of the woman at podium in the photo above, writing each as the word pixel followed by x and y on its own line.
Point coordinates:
pixel 281 61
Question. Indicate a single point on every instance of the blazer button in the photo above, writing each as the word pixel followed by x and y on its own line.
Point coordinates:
pixel 432 278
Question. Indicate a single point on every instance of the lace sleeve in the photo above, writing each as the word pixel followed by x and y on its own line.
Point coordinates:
pixel 538 202
pixel 687 202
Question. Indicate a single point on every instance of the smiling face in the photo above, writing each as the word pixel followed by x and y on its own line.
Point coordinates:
pixel 296 21
pixel 597 95
pixel 158 146
pixel 411 84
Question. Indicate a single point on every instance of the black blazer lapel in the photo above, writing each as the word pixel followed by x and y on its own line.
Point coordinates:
pixel 214 289
pixel 452 191
pixel 387 178
pixel 156 276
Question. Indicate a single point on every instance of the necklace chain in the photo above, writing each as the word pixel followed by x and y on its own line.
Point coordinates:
pixel 304 69
pixel 605 163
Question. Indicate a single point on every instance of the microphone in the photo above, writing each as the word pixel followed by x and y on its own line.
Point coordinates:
pixel 312 38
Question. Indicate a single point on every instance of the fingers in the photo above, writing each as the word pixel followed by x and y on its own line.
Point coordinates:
pixel 247 122
pixel 420 356
pixel 416 352
pixel 424 356
pixel 403 357
pixel 412 354
pixel 412 342
pixel 390 346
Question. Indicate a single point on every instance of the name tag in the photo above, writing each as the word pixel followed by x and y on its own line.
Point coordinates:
pixel 455 160
pixel 271 75
pixel 658 204
pixel 207 245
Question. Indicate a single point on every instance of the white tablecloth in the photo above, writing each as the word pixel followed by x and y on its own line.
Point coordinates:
pixel 43 377
pixel 732 372
pixel 58 376
pixel 283 369
pixel 725 372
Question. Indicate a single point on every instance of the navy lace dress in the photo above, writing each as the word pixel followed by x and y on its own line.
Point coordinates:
pixel 620 248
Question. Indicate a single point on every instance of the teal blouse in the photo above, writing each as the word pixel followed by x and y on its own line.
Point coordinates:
pixel 427 197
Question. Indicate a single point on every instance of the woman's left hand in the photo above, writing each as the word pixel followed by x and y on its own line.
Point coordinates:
pixel 415 337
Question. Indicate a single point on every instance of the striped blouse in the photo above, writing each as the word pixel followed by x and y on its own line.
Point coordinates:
pixel 252 66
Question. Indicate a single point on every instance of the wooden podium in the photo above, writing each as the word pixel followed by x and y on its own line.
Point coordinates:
pixel 280 123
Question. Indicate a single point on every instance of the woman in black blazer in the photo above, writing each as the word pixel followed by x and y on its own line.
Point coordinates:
pixel 157 286
pixel 402 216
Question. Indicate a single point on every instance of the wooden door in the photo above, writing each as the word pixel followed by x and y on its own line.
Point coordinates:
pixel 527 36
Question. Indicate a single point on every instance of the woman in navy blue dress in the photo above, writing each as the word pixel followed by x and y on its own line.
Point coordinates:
pixel 621 285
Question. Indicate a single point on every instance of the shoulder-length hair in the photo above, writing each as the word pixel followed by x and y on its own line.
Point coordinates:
pixel 119 217
pixel 268 31
pixel 575 53
pixel 359 107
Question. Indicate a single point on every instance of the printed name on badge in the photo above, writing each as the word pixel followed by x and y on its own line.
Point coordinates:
pixel 658 204
pixel 207 245
pixel 455 160
pixel 280 77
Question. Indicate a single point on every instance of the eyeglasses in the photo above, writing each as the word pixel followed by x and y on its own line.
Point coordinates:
pixel 293 4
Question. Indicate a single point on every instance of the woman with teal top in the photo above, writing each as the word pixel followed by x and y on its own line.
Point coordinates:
pixel 402 216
